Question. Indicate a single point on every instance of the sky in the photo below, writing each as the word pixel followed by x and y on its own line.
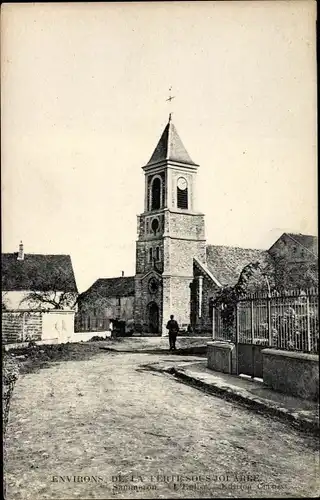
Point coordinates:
pixel 83 105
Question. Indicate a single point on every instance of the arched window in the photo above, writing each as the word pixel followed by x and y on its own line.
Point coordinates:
pixel 182 193
pixel 157 254
pixel 156 194
pixel 150 254
pixel 155 225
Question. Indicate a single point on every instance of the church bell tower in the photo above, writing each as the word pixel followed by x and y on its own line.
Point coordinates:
pixel 170 235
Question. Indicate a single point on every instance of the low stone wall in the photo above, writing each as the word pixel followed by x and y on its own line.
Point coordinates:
pixel 294 373
pixel 221 357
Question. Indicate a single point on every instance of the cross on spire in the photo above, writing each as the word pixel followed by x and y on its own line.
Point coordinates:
pixel 170 98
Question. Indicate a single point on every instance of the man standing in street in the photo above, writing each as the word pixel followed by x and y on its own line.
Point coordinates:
pixel 173 328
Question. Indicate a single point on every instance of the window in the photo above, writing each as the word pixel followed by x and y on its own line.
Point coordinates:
pixel 155 194
pixel 155 225
pixel 150 254
pixel 182 193
pixel 157 254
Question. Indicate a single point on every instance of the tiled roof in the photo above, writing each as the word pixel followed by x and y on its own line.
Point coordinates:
pixel 170 147
pixel 37 272
pixel 307 241
pixel 111 287
pixel 226 263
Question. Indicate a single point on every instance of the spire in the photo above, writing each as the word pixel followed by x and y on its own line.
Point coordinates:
pixel 170 147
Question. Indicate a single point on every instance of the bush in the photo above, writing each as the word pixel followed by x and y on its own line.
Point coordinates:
pixel 10 373
pixel 96 338
pixel 10 369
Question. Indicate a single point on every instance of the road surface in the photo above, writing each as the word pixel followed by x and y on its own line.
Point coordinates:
pixel 109 427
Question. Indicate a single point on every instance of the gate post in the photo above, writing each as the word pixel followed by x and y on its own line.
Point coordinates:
pixel 269 320
pixel 213 323
pixel 252 340
pixel 23 326
pixel 308 325
pixel 237 339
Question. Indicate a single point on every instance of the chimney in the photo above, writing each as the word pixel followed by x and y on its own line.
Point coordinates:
pixel 21 252
pixel 122 274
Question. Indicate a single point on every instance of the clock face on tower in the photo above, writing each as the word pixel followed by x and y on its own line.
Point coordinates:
pixel 182 183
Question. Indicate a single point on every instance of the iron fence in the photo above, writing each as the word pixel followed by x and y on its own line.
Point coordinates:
pixel 288 321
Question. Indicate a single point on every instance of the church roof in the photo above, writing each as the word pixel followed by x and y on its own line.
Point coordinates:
pixel 226 263
pixel 170 147
pixel 37 272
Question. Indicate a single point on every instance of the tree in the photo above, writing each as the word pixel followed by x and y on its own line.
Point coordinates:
pixel 50 288
pixel 228 296
pixel 51 299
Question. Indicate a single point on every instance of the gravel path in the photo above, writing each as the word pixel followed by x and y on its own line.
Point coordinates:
pixel 110 428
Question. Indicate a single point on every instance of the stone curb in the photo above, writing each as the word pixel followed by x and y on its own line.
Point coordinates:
pixel 258 404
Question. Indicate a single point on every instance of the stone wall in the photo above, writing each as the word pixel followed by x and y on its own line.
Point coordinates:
pixel 182 224
pixel 293 373
pixel 143 262
pixel 20 326
pixel 176 300
pixel 179 254
pixel 221 357
pixel 56 326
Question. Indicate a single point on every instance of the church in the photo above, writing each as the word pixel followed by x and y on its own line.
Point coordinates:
pixel 176 271
pixel 171 237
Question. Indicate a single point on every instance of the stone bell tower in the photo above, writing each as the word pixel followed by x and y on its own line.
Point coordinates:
pixel 170 235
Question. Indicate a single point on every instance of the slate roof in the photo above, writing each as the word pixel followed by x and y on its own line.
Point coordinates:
pixel 226 263
pixel 170 147
pixel 37 272
pixel 111 287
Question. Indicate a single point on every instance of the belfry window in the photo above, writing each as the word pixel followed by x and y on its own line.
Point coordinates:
pixel 150 255
pixel 156 194
pixel 182 193
pixel 157 254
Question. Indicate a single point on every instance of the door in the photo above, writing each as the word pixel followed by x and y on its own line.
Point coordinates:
pixel 153 317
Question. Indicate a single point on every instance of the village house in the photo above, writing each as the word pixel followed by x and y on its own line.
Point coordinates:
pixel 39 295
pixel 177 272
pixel 108 299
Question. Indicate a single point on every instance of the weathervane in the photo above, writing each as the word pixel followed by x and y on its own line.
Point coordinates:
pixel 170 98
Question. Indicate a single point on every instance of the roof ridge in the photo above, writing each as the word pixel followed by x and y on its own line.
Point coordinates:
pixel 301 234
pixel 241 248
pixel 114 278
pixel 206 269
pixel 40 254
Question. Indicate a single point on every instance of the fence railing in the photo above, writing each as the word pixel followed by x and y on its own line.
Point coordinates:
pixel 288 321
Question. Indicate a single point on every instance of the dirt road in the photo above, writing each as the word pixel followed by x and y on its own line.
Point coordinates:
pixel 109 427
